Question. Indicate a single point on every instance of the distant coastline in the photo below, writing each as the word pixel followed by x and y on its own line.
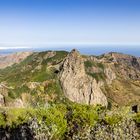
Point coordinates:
pixel 89 50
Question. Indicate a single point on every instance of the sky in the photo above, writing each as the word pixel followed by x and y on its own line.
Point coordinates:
pixel 32 23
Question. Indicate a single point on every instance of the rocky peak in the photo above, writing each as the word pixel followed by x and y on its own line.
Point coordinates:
pixel 123 59
pixel 126 66
pixel 50 54
pixel 75 52
pixel 74 63
pixel 74 57
pixel 77 85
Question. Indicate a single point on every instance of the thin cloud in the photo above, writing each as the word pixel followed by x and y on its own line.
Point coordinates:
pixel 7 48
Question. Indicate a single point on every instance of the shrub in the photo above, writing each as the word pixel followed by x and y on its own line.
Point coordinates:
pixel 113 119
pixel 137 118
pixel 2 120
pixel 98 76
pixel 88 64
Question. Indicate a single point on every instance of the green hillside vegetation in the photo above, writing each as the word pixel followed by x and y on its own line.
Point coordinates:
pixel 35 81
pixel 35 68
pixel 25 71
pixel 97 75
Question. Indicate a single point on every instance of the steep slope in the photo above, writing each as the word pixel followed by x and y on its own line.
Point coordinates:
pixel 57 94
pixel 59 76
pixel 33 81
pixel 116 75
pixel 125 89
pixel 77 85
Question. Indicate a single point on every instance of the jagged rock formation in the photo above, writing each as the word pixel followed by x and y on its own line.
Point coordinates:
pixel 77 85
pixel 112 77
pixel 127 65
pixel 46 79
pixel 3 93
pixel 125 88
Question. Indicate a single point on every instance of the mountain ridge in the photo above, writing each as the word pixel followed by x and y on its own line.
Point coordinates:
pixel 115 78
pixel 10 59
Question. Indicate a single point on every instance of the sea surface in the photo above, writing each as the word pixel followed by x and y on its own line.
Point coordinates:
pixel 88 50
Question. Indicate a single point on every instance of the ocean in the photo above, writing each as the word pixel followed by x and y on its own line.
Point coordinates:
pixel 87 50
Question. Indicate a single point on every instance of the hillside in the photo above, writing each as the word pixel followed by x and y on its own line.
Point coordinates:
pixel 113 77
pixel 66 95
pixel 8 60
pixel 31 78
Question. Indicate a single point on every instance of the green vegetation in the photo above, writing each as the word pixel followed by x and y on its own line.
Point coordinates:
pixel 97 75
pixel 47 105
pixel 93 64
pixel 88 64
pixel 16 92
pixel 113 119
pixel 60 55
pixel 38 67
pixel 137 117
pixel 62 119
pixel 54 114
pixel 28 70
pixel 59 117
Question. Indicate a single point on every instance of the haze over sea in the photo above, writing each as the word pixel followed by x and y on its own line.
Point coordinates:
pixel 35 23
pixel 88 50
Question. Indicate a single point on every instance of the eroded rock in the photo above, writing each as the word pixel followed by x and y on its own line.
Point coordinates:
pixel 2 102
pixel 77 85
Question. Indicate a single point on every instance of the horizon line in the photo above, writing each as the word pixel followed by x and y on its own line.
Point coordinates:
pixel 5 46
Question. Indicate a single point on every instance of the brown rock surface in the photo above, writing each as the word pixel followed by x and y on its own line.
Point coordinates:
pixel 8 60
pixel 77 85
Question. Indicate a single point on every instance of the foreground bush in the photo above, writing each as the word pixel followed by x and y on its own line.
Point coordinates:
pixel 70 122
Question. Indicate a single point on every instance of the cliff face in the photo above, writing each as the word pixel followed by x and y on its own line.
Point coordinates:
pixel 94 80
pixel 126 66
pixel 77 85
pixel 125 88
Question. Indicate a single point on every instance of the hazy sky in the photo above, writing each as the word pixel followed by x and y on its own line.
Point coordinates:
pixel 31 22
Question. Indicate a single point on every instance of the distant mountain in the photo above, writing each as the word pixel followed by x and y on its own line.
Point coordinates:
pixel 8 60
pixel 59 76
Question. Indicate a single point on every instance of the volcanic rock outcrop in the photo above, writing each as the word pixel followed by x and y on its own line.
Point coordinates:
pixel 77 85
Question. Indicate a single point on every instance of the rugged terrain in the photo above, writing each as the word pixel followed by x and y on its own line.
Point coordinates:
pixel 112 78
pixel 8 60
pixel 69 95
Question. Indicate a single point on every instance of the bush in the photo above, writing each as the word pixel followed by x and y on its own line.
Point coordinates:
pixel 2 120
pixel 84 115
pixel 88 64
pixel 98 76
pixel 113 119
pixel 137 118
pixel 60 121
